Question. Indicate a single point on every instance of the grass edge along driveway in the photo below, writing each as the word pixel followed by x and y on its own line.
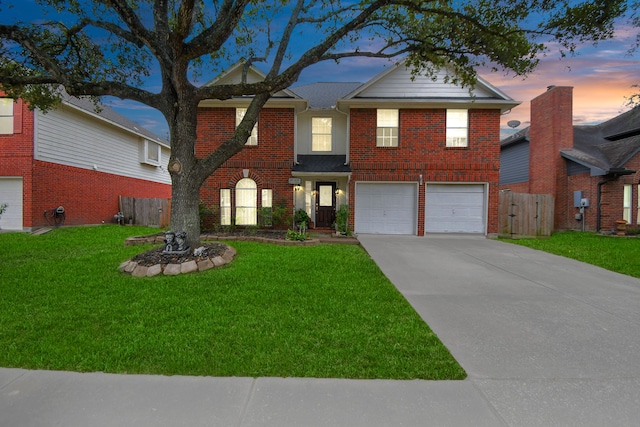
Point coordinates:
pixel 323 311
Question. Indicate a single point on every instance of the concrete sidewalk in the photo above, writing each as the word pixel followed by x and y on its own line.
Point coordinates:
pixel 546 341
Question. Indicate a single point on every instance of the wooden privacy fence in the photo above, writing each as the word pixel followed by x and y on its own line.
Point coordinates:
pixel 525 215
pixel 149 212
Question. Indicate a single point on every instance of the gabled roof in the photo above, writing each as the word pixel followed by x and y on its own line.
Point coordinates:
pixel 607 146
pixel 520 136
pixel 102 112
pixel 323 95
pixel 397 85
pixel 234 75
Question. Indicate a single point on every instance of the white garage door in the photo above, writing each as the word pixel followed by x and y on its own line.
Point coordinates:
pixel 11 195
pixel 455 208
pixel 386 208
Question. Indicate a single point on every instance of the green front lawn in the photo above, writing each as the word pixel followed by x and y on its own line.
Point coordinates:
pixel 619 254
pixel 316 311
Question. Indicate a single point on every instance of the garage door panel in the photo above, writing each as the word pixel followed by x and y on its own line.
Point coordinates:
pixel 452 208
pixel 11 192
pixel 385 208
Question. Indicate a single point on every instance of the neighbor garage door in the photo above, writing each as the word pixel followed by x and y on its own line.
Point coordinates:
pixel 11 194
pixel 386 208
pixel 455 208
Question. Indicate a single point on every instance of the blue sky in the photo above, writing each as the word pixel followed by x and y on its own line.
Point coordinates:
pixel 602 78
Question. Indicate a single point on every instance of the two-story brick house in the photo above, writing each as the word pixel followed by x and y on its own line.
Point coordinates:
pixel 76 156
pixel 406 155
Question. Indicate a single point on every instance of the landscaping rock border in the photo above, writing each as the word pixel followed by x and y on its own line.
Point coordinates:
pixel 137 270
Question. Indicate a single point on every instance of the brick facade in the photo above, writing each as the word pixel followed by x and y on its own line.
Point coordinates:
pixel 88 196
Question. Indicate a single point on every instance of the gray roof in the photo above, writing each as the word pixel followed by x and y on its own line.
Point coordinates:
pixel 604 148
pixel 321 163
pixel 110 115
pixel 324 95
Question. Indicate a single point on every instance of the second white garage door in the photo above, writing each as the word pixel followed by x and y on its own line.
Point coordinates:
pixel 389 208
pixel 455 208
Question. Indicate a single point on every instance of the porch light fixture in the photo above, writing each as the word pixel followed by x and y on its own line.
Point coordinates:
pixel 421 181
pixel 337 191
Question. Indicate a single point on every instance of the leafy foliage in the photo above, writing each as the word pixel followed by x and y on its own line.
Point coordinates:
pixel 98 48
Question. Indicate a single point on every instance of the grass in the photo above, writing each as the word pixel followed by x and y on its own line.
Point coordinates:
pixel 619 254
pixel 318 311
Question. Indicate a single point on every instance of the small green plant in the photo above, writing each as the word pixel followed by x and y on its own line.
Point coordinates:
pixel 301 218
pixel 3 208
pixel 296 235
pixel 342 220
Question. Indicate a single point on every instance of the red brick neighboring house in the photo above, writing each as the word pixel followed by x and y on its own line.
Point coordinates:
pixel 77 158
pixel 592 164
pixel 407 156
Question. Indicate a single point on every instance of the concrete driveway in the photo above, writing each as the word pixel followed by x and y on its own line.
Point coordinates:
pixel 546 340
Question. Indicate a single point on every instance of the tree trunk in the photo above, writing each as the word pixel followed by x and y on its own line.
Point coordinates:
pixel 184 209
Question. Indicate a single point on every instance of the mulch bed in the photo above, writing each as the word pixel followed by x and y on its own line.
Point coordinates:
pixel 155 256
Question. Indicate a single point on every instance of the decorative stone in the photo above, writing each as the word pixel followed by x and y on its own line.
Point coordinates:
pixel 188 267
pixel 205 265
pixel 172 270
pixel 229 254
pixel 140 271
pixel 130 266
pixel 154 270
pixel 218 261
pixel 123 266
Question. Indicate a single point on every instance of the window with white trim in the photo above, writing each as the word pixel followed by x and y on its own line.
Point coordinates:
pixel 387 127
pixel 246 202
pixel 253 139
pixel 150 153
pixel 6 116
pixel 321 133
pixel 626 203
pixel 225 206
pixel 267 207
pixel 457 128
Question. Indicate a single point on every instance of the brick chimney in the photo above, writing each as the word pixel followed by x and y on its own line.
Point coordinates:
pixel 551 130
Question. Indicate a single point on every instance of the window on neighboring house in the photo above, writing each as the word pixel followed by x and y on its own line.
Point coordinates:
pixel 321 134
pixel 267 207
pixel 225 206
pixel 387 128
pixel 253 139
pixel 150 153
pixel 6 116
pixel 246 202
pixel 626 203
pixel 457 128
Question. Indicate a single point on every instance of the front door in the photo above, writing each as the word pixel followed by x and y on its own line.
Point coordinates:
pixel 325 204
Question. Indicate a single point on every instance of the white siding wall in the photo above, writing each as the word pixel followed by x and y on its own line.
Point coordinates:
pixel 68 137
pixel 398 84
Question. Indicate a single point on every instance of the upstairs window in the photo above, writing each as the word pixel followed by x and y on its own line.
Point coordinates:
pixel 387 128
pixel 6 116
pixel 150 153
pixel 457 128
pixel 253 139
pixel 321 134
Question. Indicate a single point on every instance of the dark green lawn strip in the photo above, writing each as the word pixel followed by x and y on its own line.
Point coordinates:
pixel 619 254
pixel 315 311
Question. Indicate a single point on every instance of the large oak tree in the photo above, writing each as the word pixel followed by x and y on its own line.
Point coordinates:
pixel 113 47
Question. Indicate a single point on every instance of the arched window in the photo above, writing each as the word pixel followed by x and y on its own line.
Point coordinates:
pixel 246 202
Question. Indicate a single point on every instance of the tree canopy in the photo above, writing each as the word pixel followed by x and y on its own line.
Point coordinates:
pixel 113 47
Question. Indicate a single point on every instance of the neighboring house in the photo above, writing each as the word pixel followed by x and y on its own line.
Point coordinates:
pixel 406 155
pixel 76 157
pixel 594 165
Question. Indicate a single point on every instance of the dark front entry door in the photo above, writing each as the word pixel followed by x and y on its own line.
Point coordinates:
pixel 325 204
